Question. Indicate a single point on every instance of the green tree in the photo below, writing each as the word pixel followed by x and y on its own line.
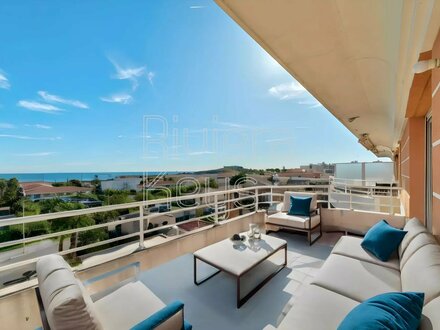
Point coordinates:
pixel 118 198
pixel 92 236
pixel 96 183
pixel 212 183
pixel 29 207
pixel 2 189
pixel 70 223
pixel 75 182
pixel 12 192
pixel 238 178
pixel 32 229
pixel 103 217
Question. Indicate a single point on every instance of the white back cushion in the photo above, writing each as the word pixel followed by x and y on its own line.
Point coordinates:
pixel 48 264
pixel 71 310
pixel 416 243
pixel 413 228
pixel 421 272
pixel 287 194
pixel 66 303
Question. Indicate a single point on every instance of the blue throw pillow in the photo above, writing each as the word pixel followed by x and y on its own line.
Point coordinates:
pixel 382 240
pixel 390 311
pixel 300 205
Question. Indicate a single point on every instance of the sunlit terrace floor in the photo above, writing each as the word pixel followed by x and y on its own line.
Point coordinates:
pixel 212 305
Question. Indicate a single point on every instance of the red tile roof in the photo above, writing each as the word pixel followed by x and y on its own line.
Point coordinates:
pixel 45 188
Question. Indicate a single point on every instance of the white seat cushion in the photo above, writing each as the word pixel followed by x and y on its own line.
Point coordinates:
pixel 316 309
pixel 356 279
pixel 431 316
pixel 129 305
pixel 350 246
pixel 295 221
pixel 421 273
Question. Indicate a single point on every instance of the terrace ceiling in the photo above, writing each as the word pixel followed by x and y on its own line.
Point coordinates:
pixel 355 57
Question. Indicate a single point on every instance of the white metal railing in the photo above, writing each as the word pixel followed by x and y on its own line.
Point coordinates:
pixel 223 204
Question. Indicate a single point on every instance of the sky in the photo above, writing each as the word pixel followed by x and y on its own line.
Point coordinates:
pixel 172 85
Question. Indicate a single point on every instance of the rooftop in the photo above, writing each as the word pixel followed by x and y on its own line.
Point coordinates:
pixel 45 188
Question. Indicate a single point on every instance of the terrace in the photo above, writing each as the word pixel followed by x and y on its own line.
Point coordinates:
pixel 358 62
pixel 166 250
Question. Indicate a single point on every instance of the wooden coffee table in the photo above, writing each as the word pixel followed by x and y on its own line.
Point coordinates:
pixel 242 259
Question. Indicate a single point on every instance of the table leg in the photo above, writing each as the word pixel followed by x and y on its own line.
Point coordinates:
pixel 195 273
pixel 242 301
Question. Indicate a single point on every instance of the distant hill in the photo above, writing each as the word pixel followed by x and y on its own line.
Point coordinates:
pixel 219 170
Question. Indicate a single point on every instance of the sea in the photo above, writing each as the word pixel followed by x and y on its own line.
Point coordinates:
pixel 63 177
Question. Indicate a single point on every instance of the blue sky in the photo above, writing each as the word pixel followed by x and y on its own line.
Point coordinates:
pixel 150 85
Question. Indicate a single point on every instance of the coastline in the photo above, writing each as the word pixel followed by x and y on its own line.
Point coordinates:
pixel 63 177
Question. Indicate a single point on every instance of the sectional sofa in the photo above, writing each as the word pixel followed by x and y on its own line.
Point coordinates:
pixel 350 275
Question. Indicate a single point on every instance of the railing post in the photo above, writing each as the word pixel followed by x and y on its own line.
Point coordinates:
pixel 351 205
pixel 216 209
pixel 271 195
pixel 256 199
pixel 328 196
pixel 141 226
pixel 391 200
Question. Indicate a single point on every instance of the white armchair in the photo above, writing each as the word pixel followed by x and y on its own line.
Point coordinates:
pixel 66 304
pixel 307 224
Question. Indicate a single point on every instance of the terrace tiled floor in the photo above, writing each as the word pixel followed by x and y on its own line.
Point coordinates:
pixel 212 305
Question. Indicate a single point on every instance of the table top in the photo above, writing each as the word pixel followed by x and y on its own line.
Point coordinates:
pixel 237 258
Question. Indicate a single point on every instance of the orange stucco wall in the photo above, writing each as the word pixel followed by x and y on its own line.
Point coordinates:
pixel 424 94
pixel 412 167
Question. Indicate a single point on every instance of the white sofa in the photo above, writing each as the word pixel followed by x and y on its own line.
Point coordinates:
pixel 67 305
pixel 308 224
pixel 350 275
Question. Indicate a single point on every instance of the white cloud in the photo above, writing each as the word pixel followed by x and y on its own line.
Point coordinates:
pixel 150 76
pixel 150 157
pixel 39 126
pixel 24 137
pixel 118 98
pixel 134 137
pixel 37 106
pixel 278 140
pixel 132 74
pixel 288 91
pixel 58 99
pixel 233 125
pixel 36 154
pixel 6 126
pixel 198 153
pixel 128 73
pixel 197 7
pixel 294 90
pixel 4 82
pixel 313 103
